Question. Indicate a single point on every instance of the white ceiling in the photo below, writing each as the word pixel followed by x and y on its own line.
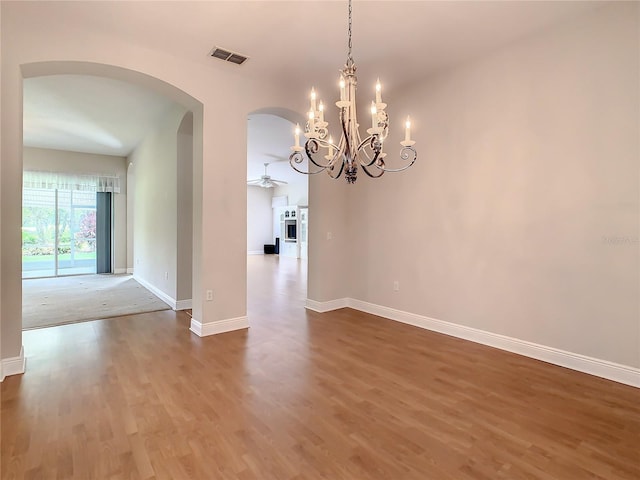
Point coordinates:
pixel 268 140
pixel 80 113
pixel 294 43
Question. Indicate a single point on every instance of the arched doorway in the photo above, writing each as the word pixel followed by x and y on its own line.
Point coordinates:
pixel 277 211
pixel 12 190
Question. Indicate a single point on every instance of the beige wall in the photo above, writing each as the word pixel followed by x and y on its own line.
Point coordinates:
pixel 527 173
pixel 155 234
pixel 184 176
pixel 329 264
pixel 1 289
pixel 259 218
pixel 11 201
pixel 41 159
pixel 131 198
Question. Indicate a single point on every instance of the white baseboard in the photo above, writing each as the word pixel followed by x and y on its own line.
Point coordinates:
pixel 119 271
pixel 172 302
pixel 157 292
pixel 221 326
pixel 323 307
pixel 255 252
pixel 575 361
pixel 183 304
pixel 13 365
pixel 130 270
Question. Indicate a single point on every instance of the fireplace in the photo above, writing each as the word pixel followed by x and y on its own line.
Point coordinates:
pixel 290 231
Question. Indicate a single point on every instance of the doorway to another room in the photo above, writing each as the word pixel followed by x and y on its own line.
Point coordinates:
pixel 81 195
pixel 277 206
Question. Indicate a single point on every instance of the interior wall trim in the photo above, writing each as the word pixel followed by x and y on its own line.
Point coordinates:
pixel 220 326
pixel 119 271
pixel 13 365
pixel 183 304
pixel 255 252
pixel 130 270
pixel 157 292
pixel 322 307
pixel 593 366
pixel 172 302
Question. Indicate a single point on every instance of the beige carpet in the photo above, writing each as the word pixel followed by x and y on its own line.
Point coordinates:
pixel 56 301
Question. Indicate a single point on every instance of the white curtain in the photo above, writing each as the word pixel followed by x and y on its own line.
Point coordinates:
pixel 71 181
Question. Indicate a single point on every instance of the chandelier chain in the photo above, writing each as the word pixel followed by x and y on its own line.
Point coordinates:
pixel 349 57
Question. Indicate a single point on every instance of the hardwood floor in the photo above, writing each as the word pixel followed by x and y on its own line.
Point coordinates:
pixel 342 395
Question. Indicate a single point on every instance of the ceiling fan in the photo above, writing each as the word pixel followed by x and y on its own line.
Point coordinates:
pixel 265 181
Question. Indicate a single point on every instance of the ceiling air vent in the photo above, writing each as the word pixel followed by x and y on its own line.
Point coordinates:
pixel 228 56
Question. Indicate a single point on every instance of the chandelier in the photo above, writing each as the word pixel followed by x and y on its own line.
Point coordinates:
pixel 351 150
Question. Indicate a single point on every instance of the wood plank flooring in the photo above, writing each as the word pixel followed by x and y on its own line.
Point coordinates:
pixel 300 395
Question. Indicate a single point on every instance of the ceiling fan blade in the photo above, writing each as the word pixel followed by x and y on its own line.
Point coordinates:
pixel 266 184
pixel 278 158
pixel 266 181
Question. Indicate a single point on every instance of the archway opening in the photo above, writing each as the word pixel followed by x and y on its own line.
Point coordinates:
pixel 171 278
pixel 277 209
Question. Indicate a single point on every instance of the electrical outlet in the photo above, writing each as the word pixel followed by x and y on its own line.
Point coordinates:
pixel 396 286
pixel 209 295
pixel 329 235
pixel 166 275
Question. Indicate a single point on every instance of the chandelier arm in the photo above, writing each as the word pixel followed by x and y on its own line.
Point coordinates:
pixel 297 157
pixel 345 133
pixel 311 146
pixel 406 153
pixel 337 175
pixel 380 168
pixel 327 144
pixel 315 147
pixel 371 140
pixel 370 160
pixel 364 142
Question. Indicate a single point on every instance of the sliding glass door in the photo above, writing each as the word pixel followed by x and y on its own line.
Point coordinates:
pixel 38 232
pixel 58 232
pixel 76 232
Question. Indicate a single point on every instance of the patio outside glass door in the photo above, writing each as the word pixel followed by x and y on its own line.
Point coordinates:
pixel 58 232
pixel 76 232
pixel 38 232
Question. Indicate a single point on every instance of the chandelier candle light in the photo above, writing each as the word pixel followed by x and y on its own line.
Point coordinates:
pixel 351 150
